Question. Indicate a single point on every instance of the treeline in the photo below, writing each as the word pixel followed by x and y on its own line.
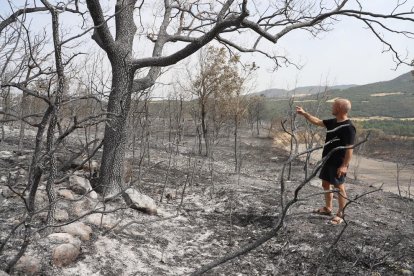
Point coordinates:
pixel 390 127
pixel 397 106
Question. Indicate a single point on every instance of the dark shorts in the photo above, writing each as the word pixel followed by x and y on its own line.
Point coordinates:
pixel 329 173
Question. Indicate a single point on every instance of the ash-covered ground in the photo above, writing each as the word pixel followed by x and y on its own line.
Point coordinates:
pixel 212 211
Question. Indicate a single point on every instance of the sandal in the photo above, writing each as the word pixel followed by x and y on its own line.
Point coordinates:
pixel 338 219
pixel 325 211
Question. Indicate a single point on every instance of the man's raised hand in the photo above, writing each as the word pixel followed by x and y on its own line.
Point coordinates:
pixel 300 110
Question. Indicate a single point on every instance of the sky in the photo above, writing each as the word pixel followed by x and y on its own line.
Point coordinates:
pixel 349 54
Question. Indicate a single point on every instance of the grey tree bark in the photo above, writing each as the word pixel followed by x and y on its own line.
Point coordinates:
pixel 119 53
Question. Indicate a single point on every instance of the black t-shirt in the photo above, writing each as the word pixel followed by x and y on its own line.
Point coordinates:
pixel 346 136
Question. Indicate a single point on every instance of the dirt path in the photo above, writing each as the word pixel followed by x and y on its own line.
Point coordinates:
pixel 376 172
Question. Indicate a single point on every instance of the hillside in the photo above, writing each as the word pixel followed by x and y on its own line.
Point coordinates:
pixel 403 83
pixel 304 90
pixel 393 98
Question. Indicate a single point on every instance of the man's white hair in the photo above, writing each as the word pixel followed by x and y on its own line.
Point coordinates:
pixel 343 104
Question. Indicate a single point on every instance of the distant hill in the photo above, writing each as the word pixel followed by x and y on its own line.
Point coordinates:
pixel 403 83
pixel 299 91
pixel 392 98
pixel 319 89
pixel 272 93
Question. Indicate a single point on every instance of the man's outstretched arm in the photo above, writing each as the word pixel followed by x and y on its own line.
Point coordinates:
pixel 312 119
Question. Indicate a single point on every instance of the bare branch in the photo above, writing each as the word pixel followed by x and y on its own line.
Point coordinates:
pixel 14 17
pixel 102 35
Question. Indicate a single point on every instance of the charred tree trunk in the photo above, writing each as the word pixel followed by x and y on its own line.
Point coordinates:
pixel 204 125
pixel 119 52
pixel 114 145
pixel 236 144
pixel 55 111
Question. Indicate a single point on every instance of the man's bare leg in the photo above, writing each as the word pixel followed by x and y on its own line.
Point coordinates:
pixel 341 197
pixel 341 204
pixel 328 196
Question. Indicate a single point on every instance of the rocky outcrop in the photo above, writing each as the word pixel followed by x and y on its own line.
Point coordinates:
pixel 81 186
pixel 65 254
pixel 83 206
pixel 28 265
pixel 65 193
pixel 61 215
pixel 107 221
pixel 78 229
pixel 6 154
pixel 67 249
pixel 140 202
pixel 60 238
pixel 7 193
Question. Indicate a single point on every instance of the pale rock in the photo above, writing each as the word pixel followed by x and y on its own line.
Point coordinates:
pixel 305 247
pixel 22 172
pixel 61 215
pixel 77 163
pixel 42 216
pixel 41 199
pixel 28 265
pixel 93 167
pixel 140 202
pixel 77 173
pixel 88 166
pixel 60 238
pixel 65 205
pixel 406 272
pixel 14 173
pixel 78 229
pixel 96 219
pixel 36 236
pixel 219 210
pixel 316 183
pixel 66 194
pixel 93 195
pixel 5 154
pixel 42 186
pixel 13 220
pixel 79 185
pixel 161 212
pixel 170 194
pixel 81 207
pixel 3 178
pixel 7 193
pixel 3 273
pixel 65 254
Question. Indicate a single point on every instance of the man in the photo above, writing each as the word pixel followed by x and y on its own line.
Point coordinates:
pixel 335 168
